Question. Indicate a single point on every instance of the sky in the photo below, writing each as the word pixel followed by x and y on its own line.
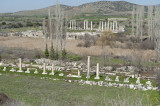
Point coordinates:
pixel 20 5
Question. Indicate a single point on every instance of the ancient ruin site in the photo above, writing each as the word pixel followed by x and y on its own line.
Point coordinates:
pixel 79 53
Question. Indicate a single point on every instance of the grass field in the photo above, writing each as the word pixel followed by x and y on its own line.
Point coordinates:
pixel 32 91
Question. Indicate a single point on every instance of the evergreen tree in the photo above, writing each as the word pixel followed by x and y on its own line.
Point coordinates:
pixel 56 55
pixel 46 52
pixel 52 53
pixel 64 54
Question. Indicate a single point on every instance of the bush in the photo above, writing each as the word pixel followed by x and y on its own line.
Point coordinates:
pixel 19 25
pixel 106 38
pixel 147 44
pixel 29 24
pixel 3 23
pixel 87 42
pixel 79 45
pixel 37 56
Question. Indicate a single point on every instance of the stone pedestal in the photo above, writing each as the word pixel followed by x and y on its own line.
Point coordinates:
pixel 4 69
pixel 28 70
pixel 36 71
pixel 79 74
pixel 138 80
pixel 12 70
pixel 117 79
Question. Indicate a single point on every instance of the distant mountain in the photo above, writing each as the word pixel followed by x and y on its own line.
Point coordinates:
pixel 100 7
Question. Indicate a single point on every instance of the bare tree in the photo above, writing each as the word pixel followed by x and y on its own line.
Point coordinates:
pixel 50 25
pixel 65 31
pixel 150 22
pixel 60 28
pixel 44 33
pixel 133 20
pixel 139 22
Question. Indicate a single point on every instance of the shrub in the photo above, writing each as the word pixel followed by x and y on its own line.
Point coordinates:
pixel 37 56
pixel 147 44
pixel 3 23
pixel 106 38
pixel 79 45
pixel 87 42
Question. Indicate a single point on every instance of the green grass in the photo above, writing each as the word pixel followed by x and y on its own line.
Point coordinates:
pixel 20 29
pixel 56 76
pixel 35 92
pixel 74 57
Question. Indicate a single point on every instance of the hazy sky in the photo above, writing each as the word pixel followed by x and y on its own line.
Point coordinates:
pixel 19 5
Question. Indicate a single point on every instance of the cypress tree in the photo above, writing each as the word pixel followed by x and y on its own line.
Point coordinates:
pixel 46 52
pixel 64 54
pixel 52 53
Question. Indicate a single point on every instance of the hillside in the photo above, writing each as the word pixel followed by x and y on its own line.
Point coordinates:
pixel 100 8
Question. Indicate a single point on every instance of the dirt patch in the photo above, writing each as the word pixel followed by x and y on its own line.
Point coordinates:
pixel 4 99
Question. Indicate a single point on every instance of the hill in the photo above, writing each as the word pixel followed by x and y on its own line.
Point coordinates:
pixel 100 8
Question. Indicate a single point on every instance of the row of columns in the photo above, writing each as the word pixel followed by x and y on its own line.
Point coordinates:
pixel 73 24
pixel 86 25
pixel 112 25
pixel 52 73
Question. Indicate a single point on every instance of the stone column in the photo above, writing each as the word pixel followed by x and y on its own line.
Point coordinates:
pixel 102 25
pixel 88 71
pixel 97 72
pixel 113 25
pixel 44 68
pixel 99 25
pixel 20 65
pixel 108 27
pixel 138 80
pixel 105 25
pixel 87 25
pixel 70 25
pixel 116 26
pixel 52 73
pixel 91 26
pixel 75 25
pixel 84 24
